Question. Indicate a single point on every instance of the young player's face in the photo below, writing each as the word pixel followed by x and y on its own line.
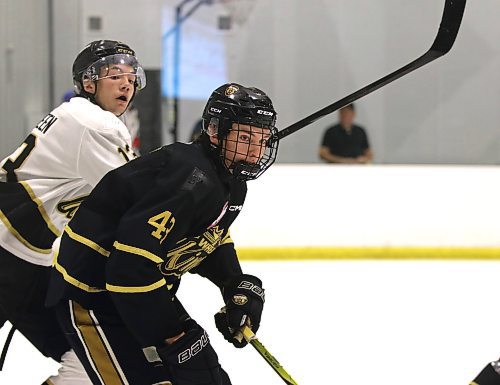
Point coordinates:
pixel 115 88
pixel 245 143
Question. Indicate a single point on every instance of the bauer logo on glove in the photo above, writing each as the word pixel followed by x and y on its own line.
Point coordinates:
pixel 253 288
pixel 244 299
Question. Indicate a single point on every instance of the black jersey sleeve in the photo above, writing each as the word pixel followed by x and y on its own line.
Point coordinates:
pixel 222 265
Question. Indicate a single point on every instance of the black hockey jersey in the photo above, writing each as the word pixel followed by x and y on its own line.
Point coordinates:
pixel 142 227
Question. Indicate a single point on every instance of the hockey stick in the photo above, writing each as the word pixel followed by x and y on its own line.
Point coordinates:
pixel 447 33
pixel 273 362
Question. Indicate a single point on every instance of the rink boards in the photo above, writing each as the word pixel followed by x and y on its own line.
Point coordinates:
pixel 371 212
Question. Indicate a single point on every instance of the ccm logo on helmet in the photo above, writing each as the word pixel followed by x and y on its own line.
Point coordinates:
pixel 235 208
pixel 125 51
pixel 267 113
pixel 216 110
pixel 194 349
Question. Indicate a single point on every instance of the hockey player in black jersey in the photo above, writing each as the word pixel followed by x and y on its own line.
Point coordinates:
pixel 146 224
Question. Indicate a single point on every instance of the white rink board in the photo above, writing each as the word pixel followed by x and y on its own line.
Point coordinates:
pixel 374 205
pixel 347 322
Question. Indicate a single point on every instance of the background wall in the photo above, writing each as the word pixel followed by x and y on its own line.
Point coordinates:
pixel 24 69
pixel 307 55
pixel 304 54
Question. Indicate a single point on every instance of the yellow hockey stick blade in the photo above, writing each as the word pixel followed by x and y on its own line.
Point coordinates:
pixel 273 362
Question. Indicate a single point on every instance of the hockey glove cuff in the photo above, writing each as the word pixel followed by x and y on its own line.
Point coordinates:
pixel 191 360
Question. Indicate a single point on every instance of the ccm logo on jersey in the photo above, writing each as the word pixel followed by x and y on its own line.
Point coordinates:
pixel 194 349
pixel 267 113
pixel 235 208
pixel 253 288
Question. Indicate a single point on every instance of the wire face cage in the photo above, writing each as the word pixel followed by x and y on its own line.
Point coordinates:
pixel 249 150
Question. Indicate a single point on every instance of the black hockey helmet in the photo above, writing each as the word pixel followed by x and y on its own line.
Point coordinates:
pixel 233 103
pixel 102 53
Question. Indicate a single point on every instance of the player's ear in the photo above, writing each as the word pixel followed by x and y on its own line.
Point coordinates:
pixel 88 86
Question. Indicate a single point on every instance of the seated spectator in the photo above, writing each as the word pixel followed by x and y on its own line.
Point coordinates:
pixel 346 142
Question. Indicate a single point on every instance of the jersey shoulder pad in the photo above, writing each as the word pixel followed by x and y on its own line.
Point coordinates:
pixel 93 117
pixel 194 170
pixel 190 156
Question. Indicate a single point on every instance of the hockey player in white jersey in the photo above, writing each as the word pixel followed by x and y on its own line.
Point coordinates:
pixel 43 182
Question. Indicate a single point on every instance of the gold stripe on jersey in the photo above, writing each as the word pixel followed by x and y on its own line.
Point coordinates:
pixel 137 251
pixel 19 237
pixel 96 347
pixel 42 211
pixel 87 242
pixel 73 281
pixel 69 207
pixel 136 289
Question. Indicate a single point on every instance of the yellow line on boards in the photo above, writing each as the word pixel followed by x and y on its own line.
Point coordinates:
pixel 368 253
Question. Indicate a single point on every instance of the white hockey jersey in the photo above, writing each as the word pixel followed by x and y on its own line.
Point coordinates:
pixel 43 182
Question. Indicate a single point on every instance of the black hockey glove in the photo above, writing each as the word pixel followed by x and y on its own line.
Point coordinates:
pixel 191 360
pixel 244 298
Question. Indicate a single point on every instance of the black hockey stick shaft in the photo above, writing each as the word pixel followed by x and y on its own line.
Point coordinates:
pixel 447 33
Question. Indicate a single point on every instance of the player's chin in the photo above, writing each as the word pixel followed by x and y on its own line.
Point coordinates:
pixel 120 108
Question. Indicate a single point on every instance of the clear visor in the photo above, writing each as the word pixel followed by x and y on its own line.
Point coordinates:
pixel 117 65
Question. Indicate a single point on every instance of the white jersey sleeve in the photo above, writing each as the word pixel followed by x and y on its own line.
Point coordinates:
pixel 43 182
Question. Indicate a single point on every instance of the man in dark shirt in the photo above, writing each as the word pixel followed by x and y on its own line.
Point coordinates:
pixel 346 142
pixel 147 223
